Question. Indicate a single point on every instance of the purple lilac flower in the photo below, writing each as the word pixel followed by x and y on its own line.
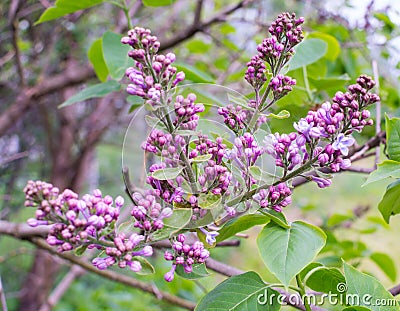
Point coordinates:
pixel 185 255
pixel 342 143
pixel 153 73
pixel 275 197
pixel 210 236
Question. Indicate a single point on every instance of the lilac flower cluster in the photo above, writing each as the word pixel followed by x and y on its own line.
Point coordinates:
pixel 148 212
pixel 88 222
pixel 275 197
pixel 123 253
pixel 186 112
pixel 153 73
pixel 237 118
pixel 286 33
pixel 281 85
pixel 76 221
pixel 185 255
pixel 332 123
pixel 255 74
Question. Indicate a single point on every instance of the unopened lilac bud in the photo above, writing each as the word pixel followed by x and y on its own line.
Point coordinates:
pixel 168 256
pixel 97 193
pixel 166 212
pixel 169 276
pixel 135 266
pixel 181 238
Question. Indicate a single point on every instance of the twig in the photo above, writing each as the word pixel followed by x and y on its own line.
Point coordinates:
pixel 14 157
pixel 49 85
pixel 3 297
pixel 13 20
pixel 198 26
pixel 395 290
pixel 114 276
pixel 378 110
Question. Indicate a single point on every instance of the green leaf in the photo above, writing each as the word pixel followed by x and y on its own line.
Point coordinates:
pixel 308 268
pixel 95 55
pixel 115 54
pixel 80 250
pixel 283 114
pixel 385 262
pixel 199 271
pixel 208 200
pixel 65 7
pixel 390 203
pixel 328 83
pixel 178 220
pixel 393 138
pixel 135 102
pixel 331 261
pixel 193 74
pixel 259 174
pixel 241 292
pixel 386 20
pixel 386 169
pixel 337 219
pixel 276 217
pixel 156 3
pixel 240 224
pixel 333 45
pixel 361 286
pixel 147 267
pixel 326 280
pixel 167 173
pixel 286 252
pixel 93 91
pixel 197 46
pixel 308 52
pixel 201 158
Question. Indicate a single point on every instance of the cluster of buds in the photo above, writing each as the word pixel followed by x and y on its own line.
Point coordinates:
pixel 76 221
pixel 186 112
pixel 153 73
pixel 286 33
pixel 148 212
pixel 281 85
pixel 332 123
pixel 123 253
pixel 185 255
pixel 255 73
pixel 285 148
pixel 234 117
pixel 275 197
pixel 245 151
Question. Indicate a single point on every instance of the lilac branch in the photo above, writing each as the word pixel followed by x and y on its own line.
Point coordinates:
pixel 198 25
pixel 3 297
pixel 24 232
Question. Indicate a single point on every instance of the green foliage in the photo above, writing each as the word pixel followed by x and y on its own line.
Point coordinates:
pixel 94 91
pixel 386 169
pixel 393 138
pixel 286 252
pixel 115 54
pixel 385 262
pixel 308 52
pixel 156 3
pixel 208 200
pixel 194 74
pixel 240 292
pixel 390 204
pixel 65 7
pixel 95 55
pixel 240 224
pixel 362 285
pixel 325 280
pixel 167 173
pixel 199 271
